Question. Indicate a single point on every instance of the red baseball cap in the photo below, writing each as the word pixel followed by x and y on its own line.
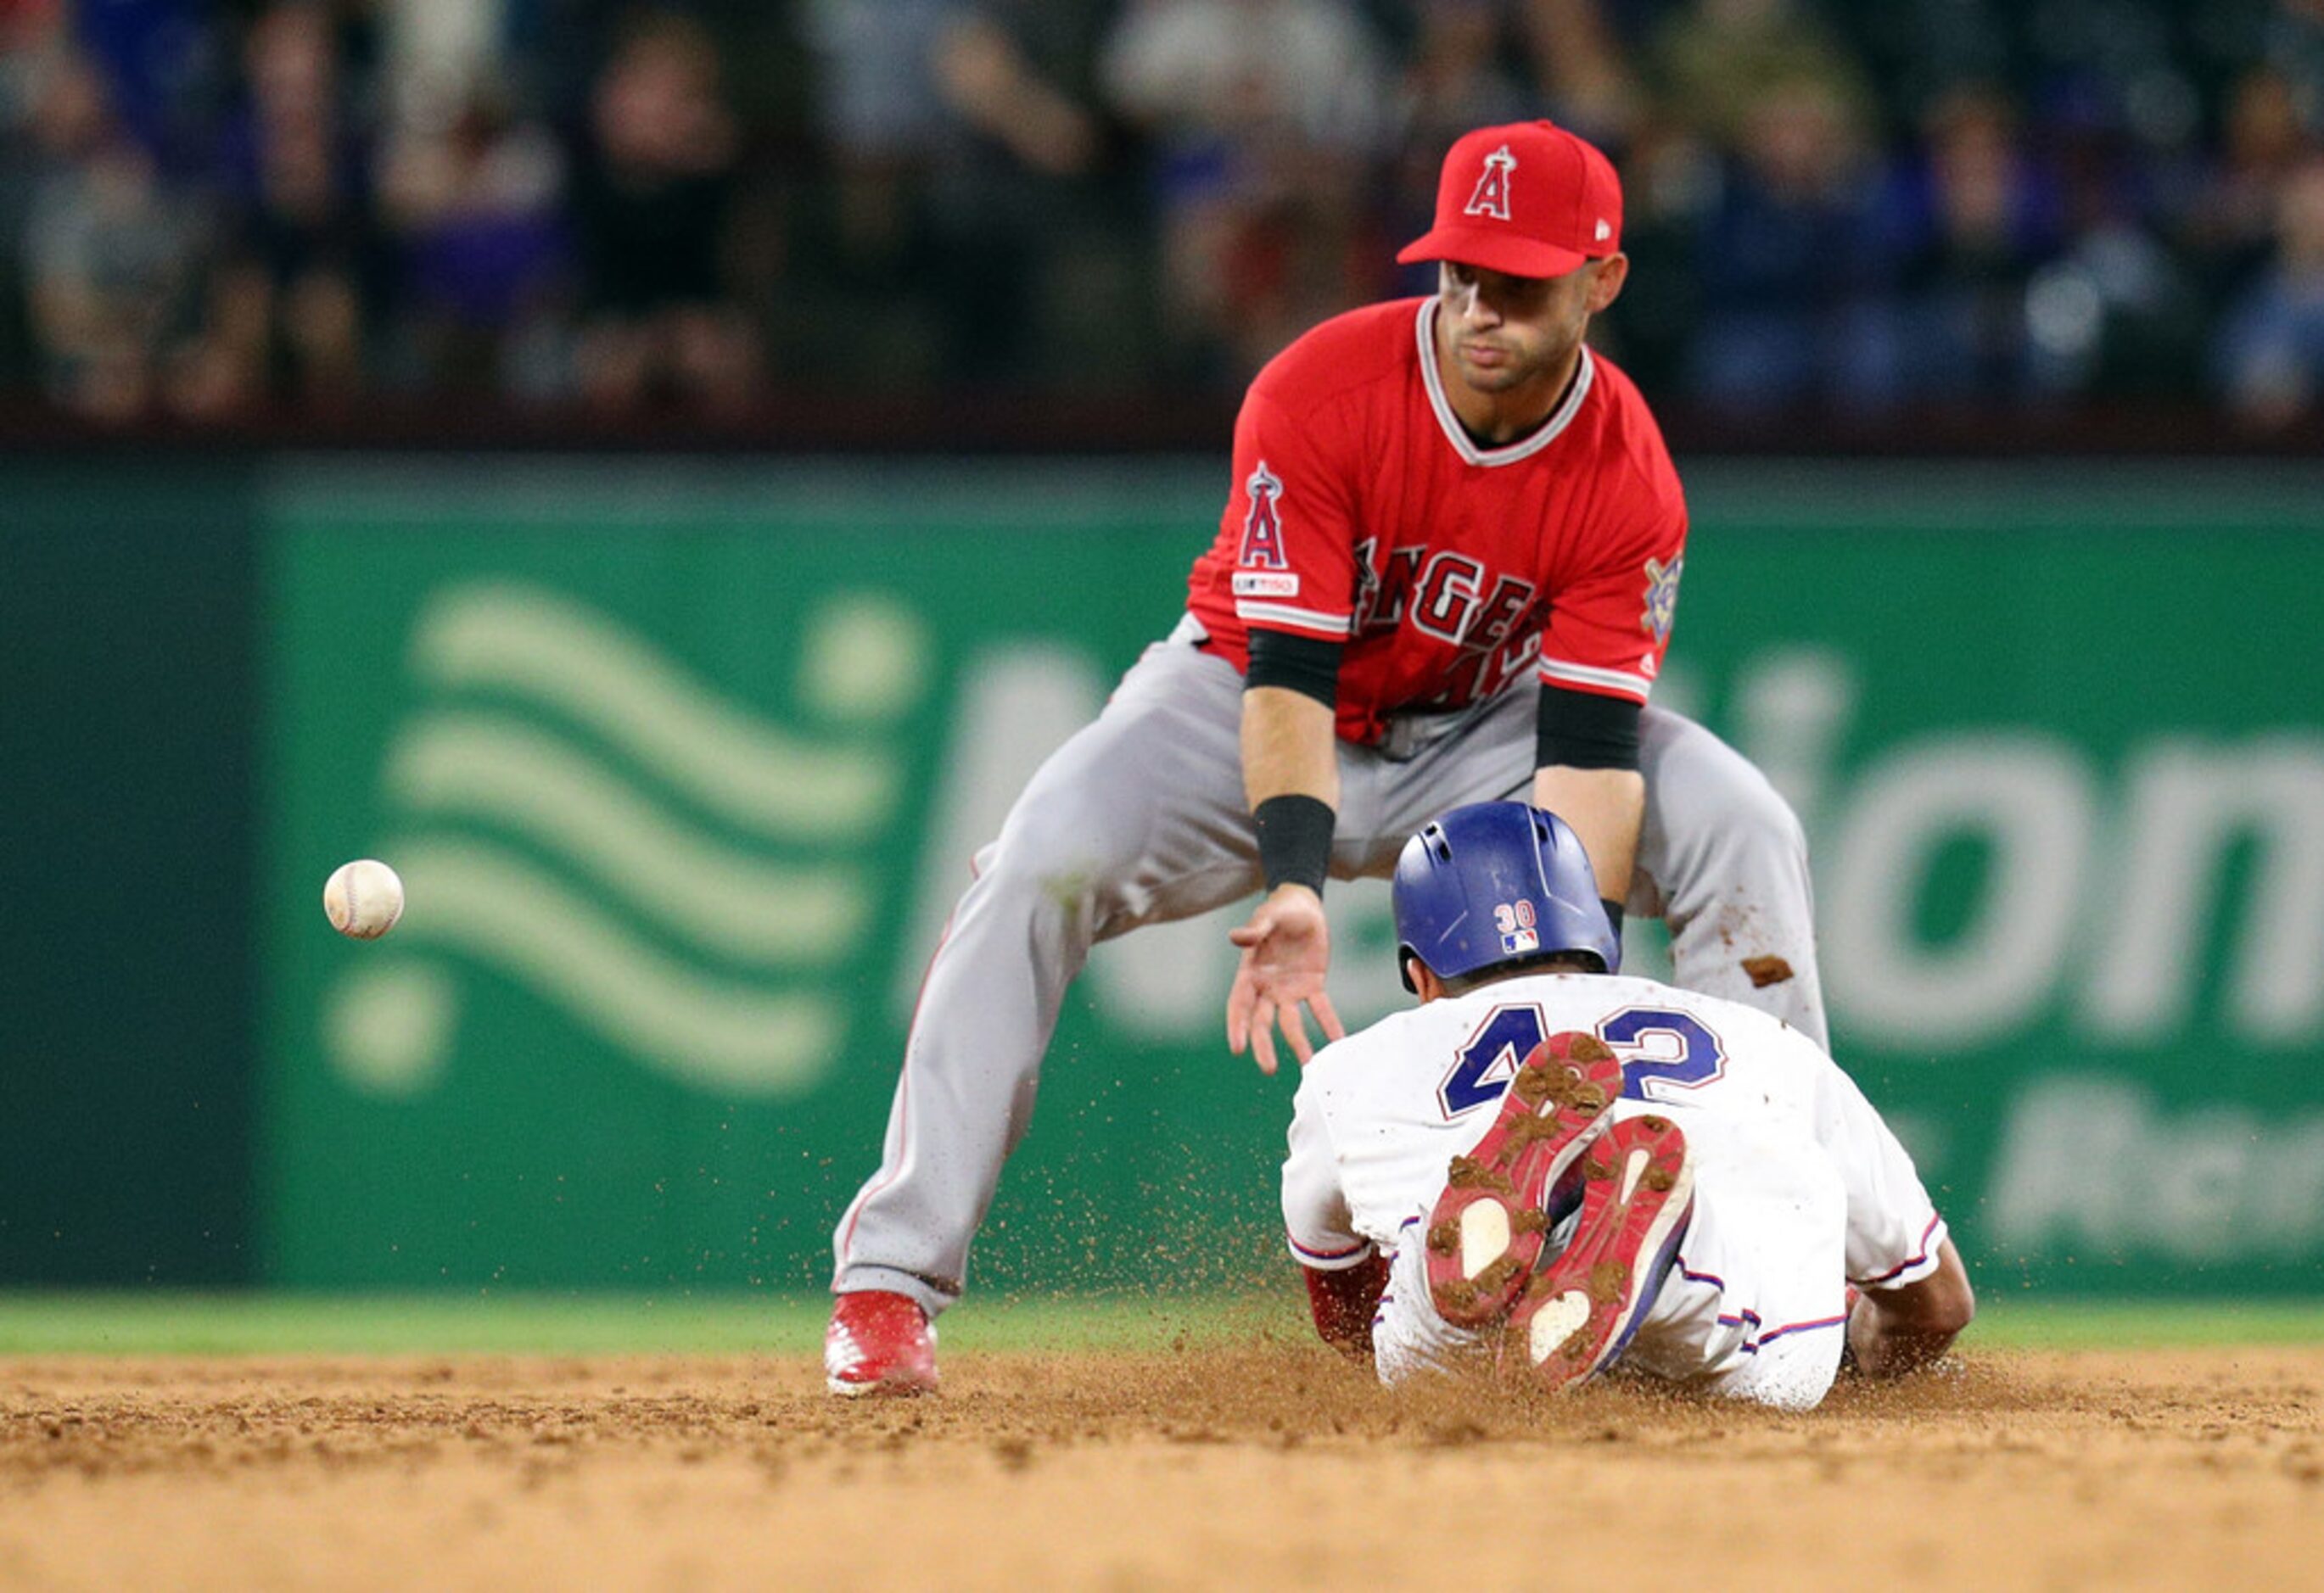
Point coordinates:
pixel 1528 199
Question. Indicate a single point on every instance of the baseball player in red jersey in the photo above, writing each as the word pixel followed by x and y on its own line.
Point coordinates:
pixel 1445 574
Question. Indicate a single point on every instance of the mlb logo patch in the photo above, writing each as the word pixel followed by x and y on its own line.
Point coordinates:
pixel 1519 940
pixel 1256 584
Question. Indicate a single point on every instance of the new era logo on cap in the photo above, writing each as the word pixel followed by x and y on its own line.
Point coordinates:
pixel 1529 198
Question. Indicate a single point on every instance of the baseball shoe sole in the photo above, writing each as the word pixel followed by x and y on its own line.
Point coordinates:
pixel 1579 1313
pixel 1486 1232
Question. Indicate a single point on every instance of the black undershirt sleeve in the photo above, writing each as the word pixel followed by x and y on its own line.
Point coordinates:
pixel 1304 664
pixel 1295 833
pixel 1585 729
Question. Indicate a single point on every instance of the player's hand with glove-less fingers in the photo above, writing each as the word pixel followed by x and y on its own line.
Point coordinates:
pixel 1287 952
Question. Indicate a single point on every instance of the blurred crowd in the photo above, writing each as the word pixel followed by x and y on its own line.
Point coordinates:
pixel 213 211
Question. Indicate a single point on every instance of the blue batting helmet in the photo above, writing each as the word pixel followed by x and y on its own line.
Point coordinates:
pixel 1497 882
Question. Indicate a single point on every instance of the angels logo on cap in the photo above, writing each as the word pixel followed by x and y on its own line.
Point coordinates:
pixel 1528 199
pixel 1492 196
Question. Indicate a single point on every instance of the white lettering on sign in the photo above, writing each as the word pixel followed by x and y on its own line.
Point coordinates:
pixel 2031 801
pixel 2092 1165
pixel 2188 803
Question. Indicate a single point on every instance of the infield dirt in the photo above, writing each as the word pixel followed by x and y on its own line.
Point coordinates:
pixel 1258 1467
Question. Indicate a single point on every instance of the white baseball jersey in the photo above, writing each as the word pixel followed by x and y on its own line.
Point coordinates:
pixel 1799 1186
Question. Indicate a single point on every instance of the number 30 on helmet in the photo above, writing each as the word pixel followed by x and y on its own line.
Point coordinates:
pixel 1497 882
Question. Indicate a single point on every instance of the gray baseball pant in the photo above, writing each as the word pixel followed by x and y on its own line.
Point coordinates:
pixel 1140 818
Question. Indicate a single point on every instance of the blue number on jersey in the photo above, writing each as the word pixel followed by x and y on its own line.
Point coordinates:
pixel 1643 1037
pixel 1507 1032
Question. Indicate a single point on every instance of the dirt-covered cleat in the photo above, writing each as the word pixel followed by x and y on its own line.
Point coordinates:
pixel 1486 1232
pixel 1579 1312
pixel 878 1342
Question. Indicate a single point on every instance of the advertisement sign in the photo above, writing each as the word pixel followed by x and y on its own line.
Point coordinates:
pixel 683 770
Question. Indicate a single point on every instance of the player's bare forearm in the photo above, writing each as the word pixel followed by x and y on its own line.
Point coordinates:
pixel 1894 1331
pixel 1288 747
pixel 1604 807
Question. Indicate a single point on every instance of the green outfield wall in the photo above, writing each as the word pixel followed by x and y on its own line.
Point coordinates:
pixel 128 972
pixel 684 769
pixel 683 764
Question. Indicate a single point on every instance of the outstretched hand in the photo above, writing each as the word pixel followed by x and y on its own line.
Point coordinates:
pixel 1286 951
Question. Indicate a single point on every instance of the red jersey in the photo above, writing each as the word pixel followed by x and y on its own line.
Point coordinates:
pixel 1362 514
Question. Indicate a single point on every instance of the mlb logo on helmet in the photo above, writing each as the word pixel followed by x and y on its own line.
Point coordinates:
pixel 1528 199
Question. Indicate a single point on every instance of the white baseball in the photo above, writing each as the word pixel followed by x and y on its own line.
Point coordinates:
pixel 363 899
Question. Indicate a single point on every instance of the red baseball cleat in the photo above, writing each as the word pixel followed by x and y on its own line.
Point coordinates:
pixel 1486 1232
pixel 1580 1311
pixel 878 1342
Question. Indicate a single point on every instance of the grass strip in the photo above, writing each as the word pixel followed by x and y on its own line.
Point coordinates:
pixel 158 1322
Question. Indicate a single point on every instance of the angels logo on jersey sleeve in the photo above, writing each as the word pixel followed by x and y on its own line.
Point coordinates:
pixel 1262 526
pixel 1264 567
